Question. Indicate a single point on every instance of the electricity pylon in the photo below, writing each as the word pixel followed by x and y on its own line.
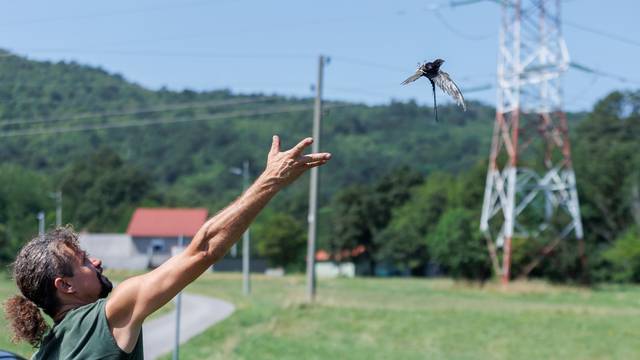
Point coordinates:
pixel 530 188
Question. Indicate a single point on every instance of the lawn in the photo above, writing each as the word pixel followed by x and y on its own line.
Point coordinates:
pixel 418 319
pixel 413 319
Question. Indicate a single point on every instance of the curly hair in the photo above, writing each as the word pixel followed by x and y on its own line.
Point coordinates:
pixel 37 265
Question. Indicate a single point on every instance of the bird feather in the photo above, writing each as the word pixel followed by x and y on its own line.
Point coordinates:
pixel 447 85
pixel 413 77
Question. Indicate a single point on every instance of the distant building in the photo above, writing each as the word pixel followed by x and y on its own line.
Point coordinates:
pixel 116 251
pixel 334 265
pixel 150 237
pixel 154 231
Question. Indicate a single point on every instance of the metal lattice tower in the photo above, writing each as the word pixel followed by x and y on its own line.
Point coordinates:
pixel 530 188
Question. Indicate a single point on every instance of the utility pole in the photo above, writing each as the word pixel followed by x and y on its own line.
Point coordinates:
pixel 246 248
pixel 178 300
pixel 58 198
pixel 234 251
pixel 40 223
pixel 527 195
pixel 313 188
pixel 246 240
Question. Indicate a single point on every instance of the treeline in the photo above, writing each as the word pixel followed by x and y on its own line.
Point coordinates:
pixel 408 222
pixel 405 190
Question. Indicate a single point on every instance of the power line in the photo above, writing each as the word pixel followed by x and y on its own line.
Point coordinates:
pixel 479 88
pixel 161 108
pixel 610 75
pixel 106 14
pixel 603 33
pixel 368 63
pixel 355 90
pixel 399 70
pixel 346 59
pixel 576 99
pixel 455 31
pixel 164 53
pixel 624 79
pixel 455 3
pixel 139 123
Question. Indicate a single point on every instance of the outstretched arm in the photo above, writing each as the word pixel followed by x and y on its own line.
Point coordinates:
pixel 137 297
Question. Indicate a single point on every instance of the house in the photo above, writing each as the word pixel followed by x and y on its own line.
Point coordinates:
pixel 155 231
pixel 333 265
pixel 116 251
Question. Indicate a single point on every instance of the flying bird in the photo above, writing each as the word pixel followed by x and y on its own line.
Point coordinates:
pixel 431 70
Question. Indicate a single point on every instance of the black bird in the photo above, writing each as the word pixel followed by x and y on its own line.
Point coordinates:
pixel 431 70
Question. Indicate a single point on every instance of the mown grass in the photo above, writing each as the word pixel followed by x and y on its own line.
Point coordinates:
pixel 418 319
pixel 414 319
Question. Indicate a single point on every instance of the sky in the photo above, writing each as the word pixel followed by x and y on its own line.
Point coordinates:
pixel 272 47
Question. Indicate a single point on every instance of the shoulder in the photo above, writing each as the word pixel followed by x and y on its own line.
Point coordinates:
pixel 82 334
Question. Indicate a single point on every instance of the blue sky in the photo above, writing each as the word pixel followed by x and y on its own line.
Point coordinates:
pixel 272 46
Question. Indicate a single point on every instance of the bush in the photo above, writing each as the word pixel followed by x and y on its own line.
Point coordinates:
pixel 624 257
pixel 457 245
pixel 282 241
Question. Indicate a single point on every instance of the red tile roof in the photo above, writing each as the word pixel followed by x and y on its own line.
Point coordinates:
pixel 166 222
pixel 323 255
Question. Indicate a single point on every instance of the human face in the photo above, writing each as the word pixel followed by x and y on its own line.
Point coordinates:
pixel 88 280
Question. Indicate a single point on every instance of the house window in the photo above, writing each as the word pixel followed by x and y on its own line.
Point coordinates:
pixel 157 246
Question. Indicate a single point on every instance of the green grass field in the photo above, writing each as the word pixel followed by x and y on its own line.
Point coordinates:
pixel 412 319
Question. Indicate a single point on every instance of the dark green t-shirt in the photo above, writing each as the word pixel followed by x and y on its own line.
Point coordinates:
pixel 84 334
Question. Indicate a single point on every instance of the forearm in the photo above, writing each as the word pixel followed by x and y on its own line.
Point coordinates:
pixel 208 246
pixel 220 232
pixel 137 297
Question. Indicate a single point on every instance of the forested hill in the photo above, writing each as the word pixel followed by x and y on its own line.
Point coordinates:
pixel 406 188
pixel 209 132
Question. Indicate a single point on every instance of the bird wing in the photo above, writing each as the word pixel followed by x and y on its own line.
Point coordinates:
pixel 447 85
pixel 413 77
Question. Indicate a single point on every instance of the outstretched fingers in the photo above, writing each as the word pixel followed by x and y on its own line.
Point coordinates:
pixel 312 158
pixel 313 164
pixel 298 149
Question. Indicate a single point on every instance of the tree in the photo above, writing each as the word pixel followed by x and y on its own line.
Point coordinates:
pixel 282 241
pixel 402 242
pixel 457 244
pixel 607 160
pixel 363 212
pixel 624 257
pixel 351 225
pixel 23 194
pixel 102 191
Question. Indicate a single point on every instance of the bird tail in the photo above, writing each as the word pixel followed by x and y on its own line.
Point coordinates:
pixel 435 104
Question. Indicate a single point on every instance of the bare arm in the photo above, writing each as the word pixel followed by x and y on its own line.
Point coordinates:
pixel 137 297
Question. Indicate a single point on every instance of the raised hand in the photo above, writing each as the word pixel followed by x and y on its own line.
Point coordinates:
pixel 284 167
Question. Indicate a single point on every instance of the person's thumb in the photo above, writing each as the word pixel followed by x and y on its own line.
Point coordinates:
pixel 275 145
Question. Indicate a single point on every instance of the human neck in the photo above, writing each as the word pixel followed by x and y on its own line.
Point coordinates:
pixel 64 309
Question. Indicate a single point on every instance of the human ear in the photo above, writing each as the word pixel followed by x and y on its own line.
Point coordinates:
pixel 63 285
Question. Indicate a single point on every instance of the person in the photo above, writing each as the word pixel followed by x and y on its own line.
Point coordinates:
pixel 54 274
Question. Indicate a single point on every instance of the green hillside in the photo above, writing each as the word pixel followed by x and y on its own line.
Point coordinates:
pixel 211 132
pixel 367 140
